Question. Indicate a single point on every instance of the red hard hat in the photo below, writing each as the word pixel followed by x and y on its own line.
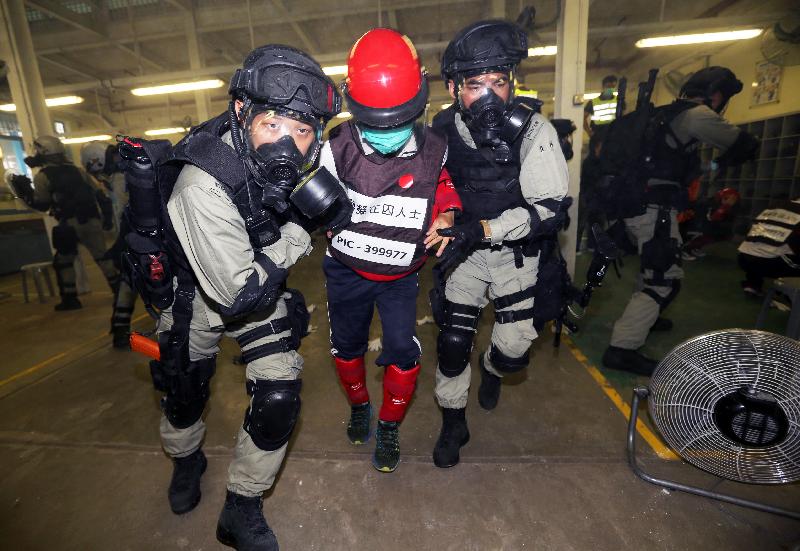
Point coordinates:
pixel 385 83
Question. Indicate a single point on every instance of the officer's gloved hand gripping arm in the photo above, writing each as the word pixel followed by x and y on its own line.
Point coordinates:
pixel 233 275
pixel 544 181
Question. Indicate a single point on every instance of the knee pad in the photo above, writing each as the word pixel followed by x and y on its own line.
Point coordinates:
pixel 187 390
pixel 273 414
pixel 507 364
pixel 663 302
pixel 453 349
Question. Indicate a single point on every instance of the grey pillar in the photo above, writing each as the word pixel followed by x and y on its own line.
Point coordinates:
pixel 24 78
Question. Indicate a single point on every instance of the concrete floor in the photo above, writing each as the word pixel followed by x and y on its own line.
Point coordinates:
pixel 83 469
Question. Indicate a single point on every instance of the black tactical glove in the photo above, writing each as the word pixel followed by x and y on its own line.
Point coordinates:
pixel 466 237
pixel 337 217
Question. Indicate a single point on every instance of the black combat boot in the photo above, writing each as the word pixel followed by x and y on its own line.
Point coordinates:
pixel 632 361
pixel 242 525
pixel 121 337
pixel 68 302
pixel 489 391
pixel 184 488
pixel 453 436
pixel 387 446
pixel 358 427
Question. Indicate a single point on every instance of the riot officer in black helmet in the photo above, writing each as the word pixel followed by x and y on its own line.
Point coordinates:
pixel 78 205
pixel 232 233
pixel 509 170
pixel 672 158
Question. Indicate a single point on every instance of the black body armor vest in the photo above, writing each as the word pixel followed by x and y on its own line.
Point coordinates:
pixel 203 147
pixel 674 164
pixel 486 188
pixel 73 196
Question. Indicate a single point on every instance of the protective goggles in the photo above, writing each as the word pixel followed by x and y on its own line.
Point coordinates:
pixel 281 84
pixel 482 84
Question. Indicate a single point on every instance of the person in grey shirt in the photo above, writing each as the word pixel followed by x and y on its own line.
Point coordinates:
pixel 511 179
pixel 232 234
pixel 689 121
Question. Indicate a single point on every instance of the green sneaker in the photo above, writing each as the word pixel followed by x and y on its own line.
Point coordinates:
pixel 387 446
pixel 358 427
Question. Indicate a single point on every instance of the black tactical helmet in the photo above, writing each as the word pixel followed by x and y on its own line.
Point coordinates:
pixel 705 82
pixel 485 45
pixel 283 77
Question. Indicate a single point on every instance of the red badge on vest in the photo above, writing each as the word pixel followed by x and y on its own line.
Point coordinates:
pixel 406 181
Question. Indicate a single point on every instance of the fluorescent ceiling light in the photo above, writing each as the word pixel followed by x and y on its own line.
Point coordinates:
pixel 343 115
pixel 64 100
pixel 178 87
pixel 164 131
pixel 542 50
pixel 84 139
pixel 681 39
pixel 335 70
pixel 50 102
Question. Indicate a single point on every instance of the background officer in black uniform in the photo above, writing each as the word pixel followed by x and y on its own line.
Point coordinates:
pixel 72 199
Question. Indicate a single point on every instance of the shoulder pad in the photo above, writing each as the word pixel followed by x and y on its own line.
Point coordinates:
pixel 204 148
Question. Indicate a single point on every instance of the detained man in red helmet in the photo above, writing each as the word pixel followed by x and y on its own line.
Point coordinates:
pixel 393 171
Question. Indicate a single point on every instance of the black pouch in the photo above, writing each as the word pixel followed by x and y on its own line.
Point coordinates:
pixel 298 316
pixel 548 298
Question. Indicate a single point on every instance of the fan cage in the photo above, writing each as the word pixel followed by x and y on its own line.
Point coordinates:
pixel 689 384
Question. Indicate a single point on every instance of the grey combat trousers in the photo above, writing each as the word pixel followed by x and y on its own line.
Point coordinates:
pixel 252 470
pixel 631 330
pixel 491 270
pixel 90 235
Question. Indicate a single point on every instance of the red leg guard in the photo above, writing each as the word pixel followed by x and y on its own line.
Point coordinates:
pixel 398 387
pixel 354 379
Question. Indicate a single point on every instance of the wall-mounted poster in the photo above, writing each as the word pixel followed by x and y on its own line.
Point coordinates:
pixel 767 83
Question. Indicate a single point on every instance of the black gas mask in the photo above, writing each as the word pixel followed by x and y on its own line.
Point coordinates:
pixel 279 165
pixel 494 123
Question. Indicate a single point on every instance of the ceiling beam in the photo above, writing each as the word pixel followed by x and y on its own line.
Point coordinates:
pixel 69 68
pixel 183 5
pixel 86 25
pixel 309 43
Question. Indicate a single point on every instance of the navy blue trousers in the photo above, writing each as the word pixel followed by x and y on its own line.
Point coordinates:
pixel 351 302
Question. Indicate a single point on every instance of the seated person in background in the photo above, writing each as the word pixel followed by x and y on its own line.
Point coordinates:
pixel 772 247
pixel 713 222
